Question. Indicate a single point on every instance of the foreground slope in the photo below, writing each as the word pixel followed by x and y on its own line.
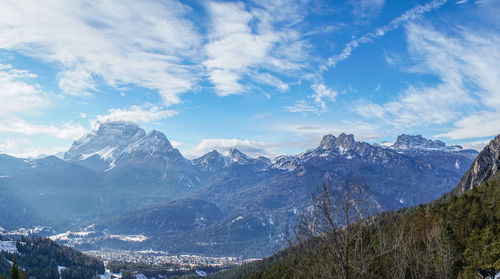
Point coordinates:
pixel 42 258
pixel 450 238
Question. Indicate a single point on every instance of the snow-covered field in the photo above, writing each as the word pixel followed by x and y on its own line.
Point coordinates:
pixel 8 246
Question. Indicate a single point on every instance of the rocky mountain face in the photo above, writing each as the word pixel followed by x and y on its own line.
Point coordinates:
pixel 129 181
pixel 484 166
pixel 405 142
pixel 452 158
pixel 141 167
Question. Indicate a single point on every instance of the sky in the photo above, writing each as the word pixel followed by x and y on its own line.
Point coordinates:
pixel 266 77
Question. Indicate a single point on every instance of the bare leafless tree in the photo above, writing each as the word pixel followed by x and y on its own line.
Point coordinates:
pixel 339 225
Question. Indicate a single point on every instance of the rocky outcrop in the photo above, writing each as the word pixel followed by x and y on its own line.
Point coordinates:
pixel 485 166
pixel 411 142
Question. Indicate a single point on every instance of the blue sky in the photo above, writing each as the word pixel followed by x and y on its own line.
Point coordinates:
pixel 267 77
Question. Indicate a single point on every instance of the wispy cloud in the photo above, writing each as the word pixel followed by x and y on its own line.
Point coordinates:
pixel 271 80
pixel 65 130
pixel 364 10
pixel 477 125
pixel 302 106
pixel 322 94
pixel 467 93
pixel 243 41
pixel 26 149
pixel 18 93
pixel 407 16
pixel 109 41
pixel 476 145
pixel 145 113
pixel 304 135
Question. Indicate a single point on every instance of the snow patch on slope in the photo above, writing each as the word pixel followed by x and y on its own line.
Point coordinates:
pixel 8 246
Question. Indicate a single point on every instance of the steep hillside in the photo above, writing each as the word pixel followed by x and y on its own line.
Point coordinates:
pixel 484 166
pixel 42 258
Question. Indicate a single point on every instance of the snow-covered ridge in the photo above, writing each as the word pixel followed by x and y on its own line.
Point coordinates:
pixel 417 142
pixel 8 246
pixel 112 139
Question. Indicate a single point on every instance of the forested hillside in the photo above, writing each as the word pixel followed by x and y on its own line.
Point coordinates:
pixel 42 258
pixel 446 239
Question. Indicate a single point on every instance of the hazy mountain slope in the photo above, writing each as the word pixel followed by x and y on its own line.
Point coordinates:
pixel 168 218
pixel 140 167
pixel 48 191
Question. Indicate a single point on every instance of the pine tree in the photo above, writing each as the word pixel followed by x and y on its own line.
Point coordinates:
pixel 14 271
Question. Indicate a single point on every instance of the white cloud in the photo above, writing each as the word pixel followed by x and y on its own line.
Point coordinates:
pixel 109 41
pixel 8 145
pixel 405 17
pixel 242 40
pixel 361 129
pixel 305 135
pixel 364 10
pixel 475 126
pixel 146 113
pixel 302 106
pixel 64 131
pixel 250 147
pixel 269 79
pixel 18 95
pixel 466 95
pixel 322 94
pixel 476 145
pixel 31 150
pixel 176 143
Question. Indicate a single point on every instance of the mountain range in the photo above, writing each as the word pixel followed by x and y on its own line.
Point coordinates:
pixel 127 181
pixel 456 236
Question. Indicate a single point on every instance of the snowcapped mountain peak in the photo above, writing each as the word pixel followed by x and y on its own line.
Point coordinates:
pixel 286 162
pixel 212 161
pixel 154 141
pixel 112 139
pixel 417 142
pixel 213 153
pixel 346 141
pixel 119 130
pixel 105 141
pixel 236 156
pixel 342 142
pixel 210 156
pixel 328 141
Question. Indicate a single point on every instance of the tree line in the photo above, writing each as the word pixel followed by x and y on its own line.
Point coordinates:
pixel 40 257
